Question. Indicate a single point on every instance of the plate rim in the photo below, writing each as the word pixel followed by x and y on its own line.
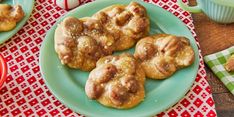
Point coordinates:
pixel 19 25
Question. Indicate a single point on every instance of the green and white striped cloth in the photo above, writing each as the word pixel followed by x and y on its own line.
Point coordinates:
pixel 216 63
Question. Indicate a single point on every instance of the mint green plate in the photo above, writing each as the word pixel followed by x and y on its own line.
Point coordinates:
pixel 27 6
pixel 68 84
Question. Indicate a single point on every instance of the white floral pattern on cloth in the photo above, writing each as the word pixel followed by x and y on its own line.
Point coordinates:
pixel 25 93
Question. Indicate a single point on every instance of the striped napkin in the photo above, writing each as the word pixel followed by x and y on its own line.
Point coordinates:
pixel 216 63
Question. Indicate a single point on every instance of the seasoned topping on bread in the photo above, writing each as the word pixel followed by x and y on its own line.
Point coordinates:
pixel 80 42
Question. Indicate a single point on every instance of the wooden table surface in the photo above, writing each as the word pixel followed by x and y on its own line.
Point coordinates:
pixel 214 37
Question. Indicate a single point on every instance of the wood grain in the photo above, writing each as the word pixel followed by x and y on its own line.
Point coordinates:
pixel 224 104
pixel 216 85
pixel 214 37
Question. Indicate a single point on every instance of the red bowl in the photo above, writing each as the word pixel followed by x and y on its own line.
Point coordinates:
pixel 3 70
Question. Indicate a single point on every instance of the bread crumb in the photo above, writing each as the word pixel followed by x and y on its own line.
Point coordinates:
pixel 229 65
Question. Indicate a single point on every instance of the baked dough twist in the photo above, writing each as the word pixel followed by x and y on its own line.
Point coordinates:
pixel 126 23
pixel 161 55
pixel 117 81
pixel 81 42
pixel 9 16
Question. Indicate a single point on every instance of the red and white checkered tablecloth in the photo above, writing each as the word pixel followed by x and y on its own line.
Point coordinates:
pixel 25 93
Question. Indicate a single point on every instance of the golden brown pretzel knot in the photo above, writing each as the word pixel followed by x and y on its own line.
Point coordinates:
pixel 126 23
pixel 161 55
pixel 81 42
pixel 9 16
pixel 117 81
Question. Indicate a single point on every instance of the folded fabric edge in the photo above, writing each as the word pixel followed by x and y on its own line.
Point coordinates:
pixel 221 74
pixel 210 57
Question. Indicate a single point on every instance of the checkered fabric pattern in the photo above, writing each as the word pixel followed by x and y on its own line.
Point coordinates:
pixel 216 63
pixel 25 94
